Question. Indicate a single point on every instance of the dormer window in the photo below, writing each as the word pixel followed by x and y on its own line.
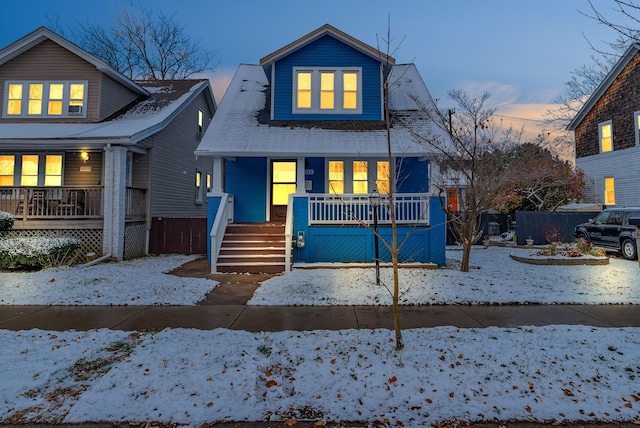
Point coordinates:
pixel 28 99
pixel 327 90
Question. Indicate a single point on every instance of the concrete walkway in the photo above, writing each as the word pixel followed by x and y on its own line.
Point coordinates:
pixel 276 318
pixel 225 307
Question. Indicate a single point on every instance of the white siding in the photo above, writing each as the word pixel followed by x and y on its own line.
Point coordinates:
pixel 623 166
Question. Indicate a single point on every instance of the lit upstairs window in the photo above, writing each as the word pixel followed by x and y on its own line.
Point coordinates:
pixel 43 99
pixel 326 90
pixel 606 137
pixel 303 90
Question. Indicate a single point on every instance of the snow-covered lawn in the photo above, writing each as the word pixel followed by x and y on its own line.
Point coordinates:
pixel 499 279
pixel 186 376
pixel 136 282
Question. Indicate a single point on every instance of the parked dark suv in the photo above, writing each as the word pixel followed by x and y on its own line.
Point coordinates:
pixel 611 231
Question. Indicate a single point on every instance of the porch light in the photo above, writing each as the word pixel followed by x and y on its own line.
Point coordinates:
pixel 374 201
pixel 84 156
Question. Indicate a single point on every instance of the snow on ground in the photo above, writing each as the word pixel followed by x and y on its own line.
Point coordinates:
pixel 135 282
pixel 498 280
pixel 188 376
pixel 560 373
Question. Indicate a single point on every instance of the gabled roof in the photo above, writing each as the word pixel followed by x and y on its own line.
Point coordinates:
pixel 167 99
pixel 39 35
pixel 235 129
pixel 624 60
pixel 320 32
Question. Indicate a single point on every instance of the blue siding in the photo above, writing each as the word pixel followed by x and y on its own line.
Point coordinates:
pixel 317 178
pixel 246 181
pixel 213 202
pixel 414 175
pixel 356 244
pixel 328 52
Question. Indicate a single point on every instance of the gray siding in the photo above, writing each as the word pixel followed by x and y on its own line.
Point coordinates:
pixel 50 61
pixel 173 165
pixel 73 176
pixel 113 97
pixel 622 165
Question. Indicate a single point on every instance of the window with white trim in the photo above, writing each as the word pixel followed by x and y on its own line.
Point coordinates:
pixel 31 170
pixel 358 176
pixel 609 191
pixel 605 135
pixel 45 99
pixel 326 90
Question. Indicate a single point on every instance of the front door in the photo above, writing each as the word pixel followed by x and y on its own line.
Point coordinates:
pixel 283 183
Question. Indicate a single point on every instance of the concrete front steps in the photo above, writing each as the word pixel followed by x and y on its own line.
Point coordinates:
pixel 253 248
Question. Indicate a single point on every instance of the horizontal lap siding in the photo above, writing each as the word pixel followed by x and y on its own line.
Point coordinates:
pixel 74 176
pixel 173 166
pixel 328 52
pixel 113 97
pixel 50 61
pixel 413 175
pixel 246 181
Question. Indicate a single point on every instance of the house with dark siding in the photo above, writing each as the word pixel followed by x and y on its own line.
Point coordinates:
pixel 89 153
pixel 607 135
pixel 299 147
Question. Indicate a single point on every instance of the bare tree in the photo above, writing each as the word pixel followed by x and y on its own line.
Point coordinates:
pixel 586 78
pixel 466 161
pixel 146 45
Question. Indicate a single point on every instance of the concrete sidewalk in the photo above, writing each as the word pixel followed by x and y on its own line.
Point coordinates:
pixel 276 318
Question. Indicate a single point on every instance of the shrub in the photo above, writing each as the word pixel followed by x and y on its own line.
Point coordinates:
pixel 6 222
pixel 37 253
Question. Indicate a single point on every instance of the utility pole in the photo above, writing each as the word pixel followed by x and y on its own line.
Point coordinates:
pixel 451 113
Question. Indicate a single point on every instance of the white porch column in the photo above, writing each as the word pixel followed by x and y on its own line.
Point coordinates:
pixel 115 173
pixel 218 173
pixel 300 185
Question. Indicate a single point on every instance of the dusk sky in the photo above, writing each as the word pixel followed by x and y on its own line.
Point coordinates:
pixel 521 52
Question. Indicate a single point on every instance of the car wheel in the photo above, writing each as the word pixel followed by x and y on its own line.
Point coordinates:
pixel 583 236
pixel 629 250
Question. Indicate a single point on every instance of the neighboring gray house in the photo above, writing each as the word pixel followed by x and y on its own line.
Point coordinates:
pixel 607 135
pixel 87 152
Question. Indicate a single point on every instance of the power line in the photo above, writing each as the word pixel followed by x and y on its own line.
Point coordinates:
pixel 520 118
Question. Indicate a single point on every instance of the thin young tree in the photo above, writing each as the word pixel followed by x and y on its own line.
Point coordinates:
pixel 142 44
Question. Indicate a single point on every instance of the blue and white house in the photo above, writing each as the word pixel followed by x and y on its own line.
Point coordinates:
pixel 299 144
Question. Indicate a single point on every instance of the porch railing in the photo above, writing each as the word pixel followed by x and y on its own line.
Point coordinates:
pixel 135 203
pixel 52 202
pixel 330 209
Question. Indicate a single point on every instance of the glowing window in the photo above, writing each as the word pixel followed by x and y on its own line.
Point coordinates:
pixel 360 177
pixel 53 170
pixel 56 91
pixel 327 90
pixel 7 168
pixel 76 95
pixel 35 98
pixel 327 94
pixel 14 102
pixel 284 182
pixel 382 179
pixel 609 191
pixel 29 176
pixel 198 187
pixel 606 137
pixel 350 91
pixel 336 177
pixel 304 90
pixel 200 120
